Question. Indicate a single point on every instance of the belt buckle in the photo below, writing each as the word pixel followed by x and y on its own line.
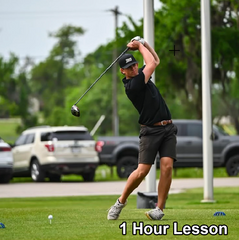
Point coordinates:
pixel 162 123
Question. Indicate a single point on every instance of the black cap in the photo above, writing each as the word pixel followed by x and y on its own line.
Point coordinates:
pixel 127 60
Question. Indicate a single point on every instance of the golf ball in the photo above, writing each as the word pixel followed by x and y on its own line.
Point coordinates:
pixel 50 217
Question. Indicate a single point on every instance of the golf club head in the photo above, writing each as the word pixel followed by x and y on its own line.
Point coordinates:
pixel 75 111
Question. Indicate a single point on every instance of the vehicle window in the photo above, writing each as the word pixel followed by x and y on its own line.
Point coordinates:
pixel 21 140
pixel 46 136
pixel 220 130
pixel 66 135
pixel 194 130
pixel 72 135
pixel 30 138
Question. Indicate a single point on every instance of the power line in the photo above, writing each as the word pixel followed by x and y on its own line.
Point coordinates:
pixel 51 14
pixel 49 11
pixel 95 16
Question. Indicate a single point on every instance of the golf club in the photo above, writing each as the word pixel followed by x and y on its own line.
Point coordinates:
pixel 74 109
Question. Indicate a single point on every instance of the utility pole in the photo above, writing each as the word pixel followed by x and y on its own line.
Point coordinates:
pixel 115 117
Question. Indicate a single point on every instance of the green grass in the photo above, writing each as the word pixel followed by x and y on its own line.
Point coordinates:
pixel 105 173
pixel 84 217
pixel 8 130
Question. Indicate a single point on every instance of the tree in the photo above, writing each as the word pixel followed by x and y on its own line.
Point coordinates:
pixel 15 91
pixel 8 86
pixel 225 23
pixel 49 79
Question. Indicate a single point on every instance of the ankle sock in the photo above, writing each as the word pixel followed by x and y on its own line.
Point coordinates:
pixel 158 208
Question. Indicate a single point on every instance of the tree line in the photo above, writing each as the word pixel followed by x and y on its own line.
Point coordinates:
pixel 62 77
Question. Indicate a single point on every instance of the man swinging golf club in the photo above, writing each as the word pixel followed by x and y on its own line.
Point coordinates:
pixel 157 132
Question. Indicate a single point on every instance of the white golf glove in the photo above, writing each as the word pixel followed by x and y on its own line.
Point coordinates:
pixel 138 38
pixel 141 40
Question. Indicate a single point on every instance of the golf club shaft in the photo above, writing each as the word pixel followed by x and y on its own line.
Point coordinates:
pixel 102 74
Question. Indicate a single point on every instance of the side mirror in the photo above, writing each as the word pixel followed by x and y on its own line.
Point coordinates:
pixel 12 145
pixel 214 136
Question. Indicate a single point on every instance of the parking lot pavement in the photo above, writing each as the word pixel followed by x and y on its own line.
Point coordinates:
pixel 99 188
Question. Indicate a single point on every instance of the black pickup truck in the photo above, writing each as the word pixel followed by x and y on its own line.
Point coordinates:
pixel 122 152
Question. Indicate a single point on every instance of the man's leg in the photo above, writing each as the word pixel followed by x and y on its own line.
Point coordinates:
pixel 166 168
pixel 135 178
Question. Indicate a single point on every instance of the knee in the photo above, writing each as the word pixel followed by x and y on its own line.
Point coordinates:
pixel 166 168
pixel 141 173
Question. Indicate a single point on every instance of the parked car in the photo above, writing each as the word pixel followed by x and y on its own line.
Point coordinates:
pixel 49 152
pixel 6 162
pixel 122 151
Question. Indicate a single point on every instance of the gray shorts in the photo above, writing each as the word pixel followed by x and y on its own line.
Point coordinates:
pixel 157 139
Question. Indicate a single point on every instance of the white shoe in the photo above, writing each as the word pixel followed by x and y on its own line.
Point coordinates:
pixel 115 210
pixel 155 214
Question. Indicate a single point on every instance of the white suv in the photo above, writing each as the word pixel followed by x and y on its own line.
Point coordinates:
pixel 49 152
pixel 6 162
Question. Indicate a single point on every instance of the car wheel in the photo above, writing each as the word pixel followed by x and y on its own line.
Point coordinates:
pixel 54 177
pixel 5 178
pixel 232 165
pixel 37 174
pixel 89 176
pixel 126 165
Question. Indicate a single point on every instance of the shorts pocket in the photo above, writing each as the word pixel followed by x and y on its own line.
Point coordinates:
pixel 143 131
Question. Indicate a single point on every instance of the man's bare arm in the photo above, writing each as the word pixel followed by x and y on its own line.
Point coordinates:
pixel 150 57
pixel 155 55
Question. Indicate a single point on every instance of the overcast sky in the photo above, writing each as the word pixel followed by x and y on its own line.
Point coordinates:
pixel 25 24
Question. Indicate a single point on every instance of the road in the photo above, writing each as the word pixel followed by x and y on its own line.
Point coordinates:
pixel 48 189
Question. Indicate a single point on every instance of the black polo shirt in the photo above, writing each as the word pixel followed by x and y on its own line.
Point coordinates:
pixel 147 100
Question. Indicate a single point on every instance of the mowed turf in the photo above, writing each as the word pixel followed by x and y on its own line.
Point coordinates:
pixel 76 218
